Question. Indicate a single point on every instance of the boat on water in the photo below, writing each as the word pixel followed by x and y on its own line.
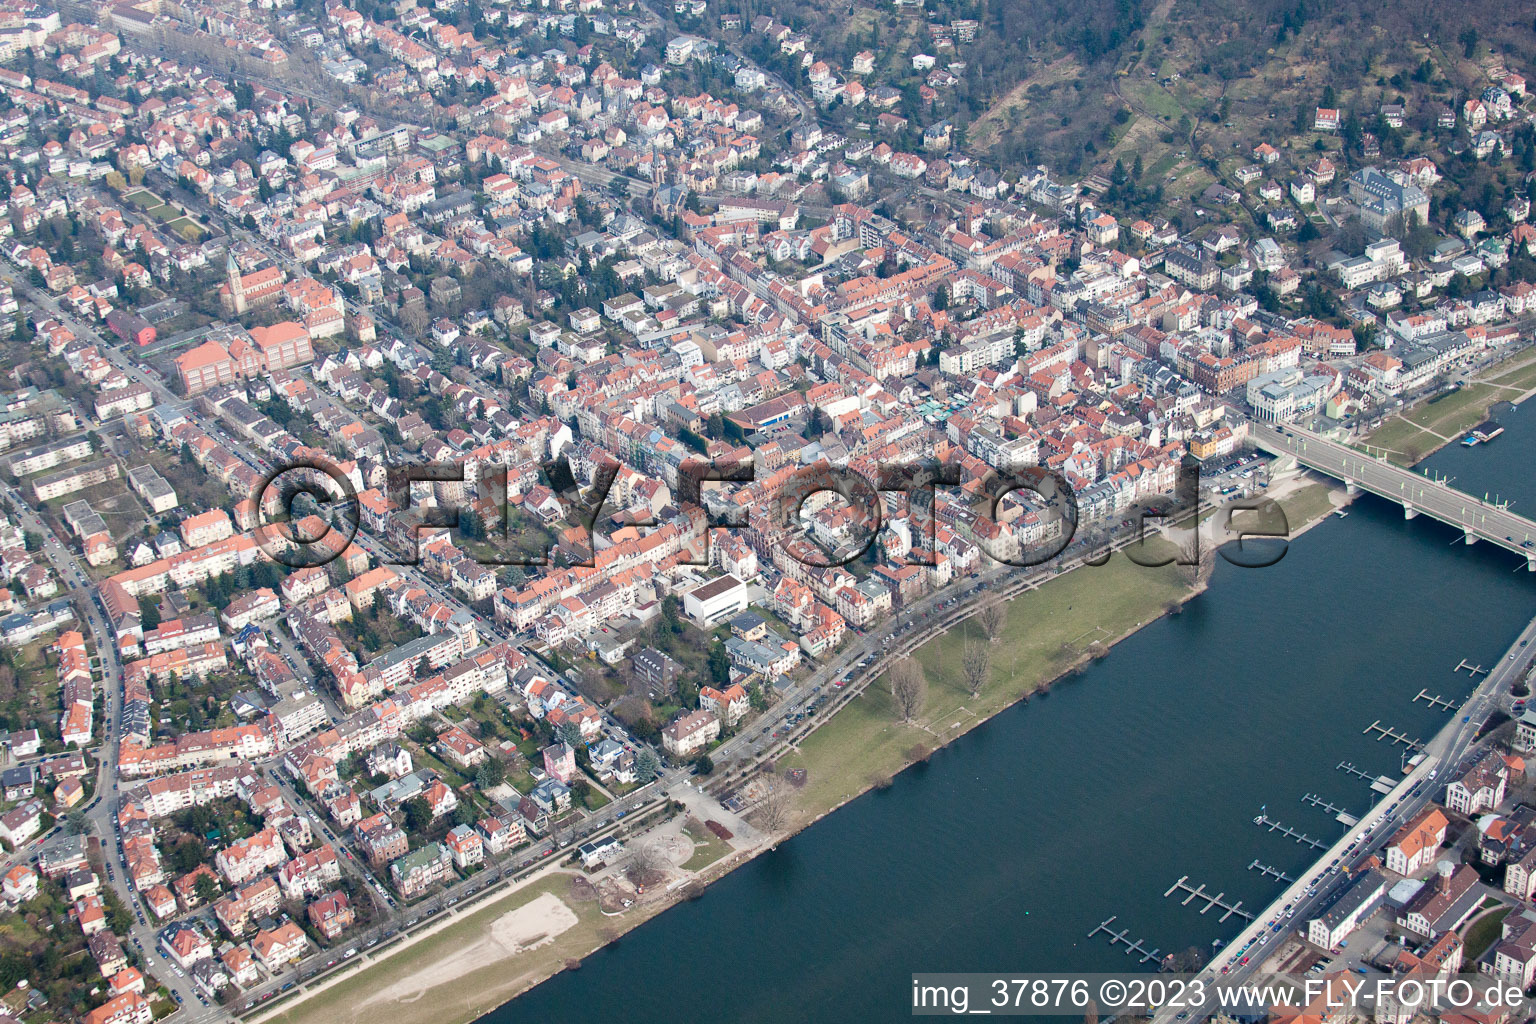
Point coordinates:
pixel 1258 819
pixel 1482 433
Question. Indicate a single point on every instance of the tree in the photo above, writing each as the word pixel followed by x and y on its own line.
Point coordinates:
pixel 1197 564
pixel 490 773
pixel 991 617
pixel 976 665
pixel 149 615
pixel 909 688
pixel 647 765
pixel 646 864
pixel 705 764
pixel 413 317
pixel 719 665
pixel 772 811
pixel 186 855
pixel 470 524
pixel 1468 39
pixel 670 615
pixel 206 888
pixel 418 814
pixel 570 733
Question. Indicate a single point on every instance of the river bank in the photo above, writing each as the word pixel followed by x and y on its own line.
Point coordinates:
pixel 1051 633
pixel 453 972
pixel 1417 432
pixel 1008 847
pixel 480 956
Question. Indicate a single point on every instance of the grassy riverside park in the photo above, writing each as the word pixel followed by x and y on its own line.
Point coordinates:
pixel 1306 505
pixel 1048 633
pixel 1415 433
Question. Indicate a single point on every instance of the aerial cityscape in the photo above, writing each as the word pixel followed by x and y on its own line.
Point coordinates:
pixel 744 510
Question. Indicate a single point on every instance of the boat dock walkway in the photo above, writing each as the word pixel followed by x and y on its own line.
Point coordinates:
pixel 1317 801
pixel 1269 872
pixel 1384 733
pixel 1288 832
pixel 1473 670
pixel 1436 701
pixel 1345 766
pixel 1119 938
pixel 1182 885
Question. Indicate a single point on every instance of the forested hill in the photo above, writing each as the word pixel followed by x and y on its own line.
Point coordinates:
pixel 1076 85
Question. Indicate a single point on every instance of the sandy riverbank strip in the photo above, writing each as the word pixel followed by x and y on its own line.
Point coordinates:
pixel 528 927
pixel 479 957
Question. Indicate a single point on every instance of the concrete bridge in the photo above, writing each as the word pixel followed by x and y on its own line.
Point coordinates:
pixel 1418 494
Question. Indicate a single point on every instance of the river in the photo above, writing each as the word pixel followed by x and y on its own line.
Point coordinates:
pixel 1009 846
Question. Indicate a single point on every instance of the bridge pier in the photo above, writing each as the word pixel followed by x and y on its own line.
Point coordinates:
pixel 1417 492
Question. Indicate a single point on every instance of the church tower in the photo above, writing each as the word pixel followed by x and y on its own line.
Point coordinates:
pixel 236 301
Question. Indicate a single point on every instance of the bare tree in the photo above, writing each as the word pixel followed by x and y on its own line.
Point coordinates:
pixel 772 812
pixel 909 688
pixel 1197 563
pixel 976 665
pixel 992 617
pixel 646 864
pixel 413 317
